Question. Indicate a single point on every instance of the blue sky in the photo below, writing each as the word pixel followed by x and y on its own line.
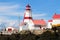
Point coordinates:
pixel 41 9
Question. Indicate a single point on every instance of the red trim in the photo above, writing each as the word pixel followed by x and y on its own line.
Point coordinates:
pixel 28 9
pixel 27 17
pixel 50 20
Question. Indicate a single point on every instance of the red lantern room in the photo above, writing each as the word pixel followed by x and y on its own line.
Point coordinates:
pixel 28 7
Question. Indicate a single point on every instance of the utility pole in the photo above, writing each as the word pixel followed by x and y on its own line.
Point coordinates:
pixel 18 22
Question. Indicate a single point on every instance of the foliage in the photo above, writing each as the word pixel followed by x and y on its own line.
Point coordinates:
pixel 48 35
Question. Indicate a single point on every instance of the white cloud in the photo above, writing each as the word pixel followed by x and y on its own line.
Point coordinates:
pixel 9 22
pixel 6 8
pixel 39 15
pixel 9 9
pixel 5 3
pixel 12 14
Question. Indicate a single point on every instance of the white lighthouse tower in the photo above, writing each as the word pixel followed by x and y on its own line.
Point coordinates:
pixel 27 14
pixel 28 17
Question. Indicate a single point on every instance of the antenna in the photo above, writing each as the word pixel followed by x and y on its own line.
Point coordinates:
pixel 28 1
pixel 18 22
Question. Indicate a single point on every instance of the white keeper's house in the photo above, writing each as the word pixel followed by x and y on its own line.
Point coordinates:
pixel 55 22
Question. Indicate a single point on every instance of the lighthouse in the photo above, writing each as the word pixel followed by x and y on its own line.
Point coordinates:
pixel 28 18
pixel 29 23
pixel 27 14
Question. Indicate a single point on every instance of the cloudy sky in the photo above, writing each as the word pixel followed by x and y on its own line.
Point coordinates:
pixel 10 10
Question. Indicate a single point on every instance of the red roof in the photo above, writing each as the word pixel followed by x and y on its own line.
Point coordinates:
pixel 56 16
pixel 39 22
pixel 28 7
pixel 50 20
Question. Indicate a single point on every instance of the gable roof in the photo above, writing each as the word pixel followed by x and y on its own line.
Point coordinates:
pixel 39 22
pixel 56 16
